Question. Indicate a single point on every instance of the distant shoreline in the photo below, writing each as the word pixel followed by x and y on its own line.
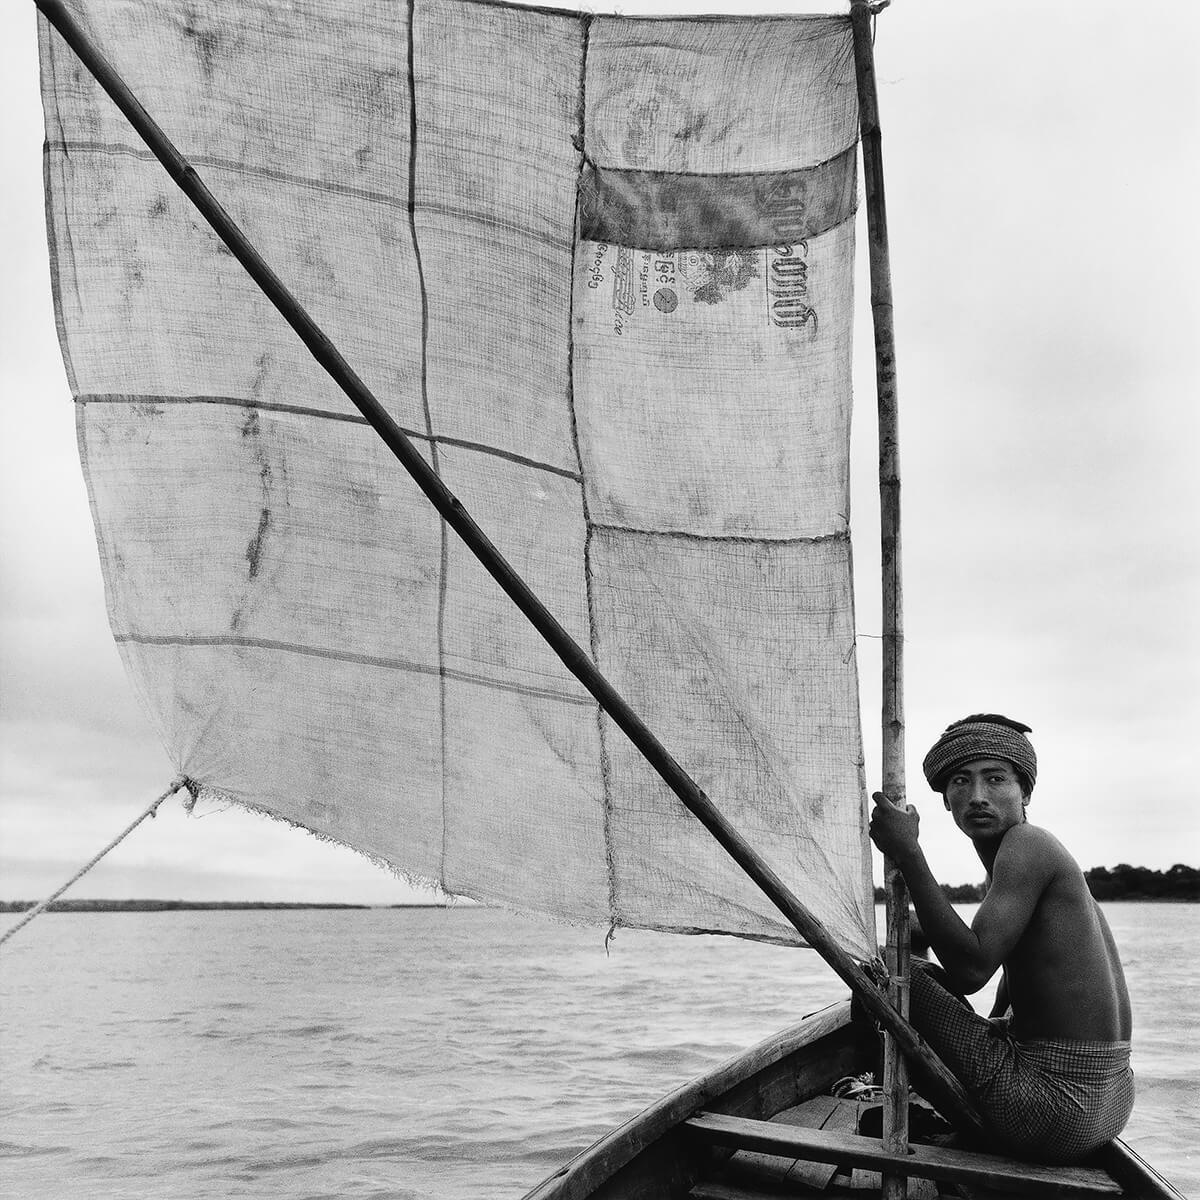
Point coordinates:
pixel 957 893
pixel 1179 885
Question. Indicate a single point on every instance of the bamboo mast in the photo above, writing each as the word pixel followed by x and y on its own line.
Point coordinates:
pixel 895 1073
pixel 950 1096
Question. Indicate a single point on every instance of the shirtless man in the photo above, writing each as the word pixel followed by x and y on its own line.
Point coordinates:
pixel 1050 1070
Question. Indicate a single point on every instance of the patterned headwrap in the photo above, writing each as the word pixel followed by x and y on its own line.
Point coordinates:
pixel 984 735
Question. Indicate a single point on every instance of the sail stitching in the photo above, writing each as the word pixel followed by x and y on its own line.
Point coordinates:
pixel 579 139
pixel 69 148
pixel 347 656
pixel 444 562
pixel 51 48
pixel 72 146
pixel 480 447
pixel 839 535
pixel 777 173
pixel 325 414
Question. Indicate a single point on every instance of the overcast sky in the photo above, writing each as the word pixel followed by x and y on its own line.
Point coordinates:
pixel 1041 175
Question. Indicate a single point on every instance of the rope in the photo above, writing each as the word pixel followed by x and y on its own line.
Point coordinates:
pixel 45 904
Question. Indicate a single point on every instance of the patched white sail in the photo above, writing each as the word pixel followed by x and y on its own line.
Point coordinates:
pixel 600 270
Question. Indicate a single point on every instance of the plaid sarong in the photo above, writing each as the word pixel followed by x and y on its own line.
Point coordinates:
pixel 1049 1100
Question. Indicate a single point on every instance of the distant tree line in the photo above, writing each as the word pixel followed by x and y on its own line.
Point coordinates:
pixel 1179 883
pixel 1124 882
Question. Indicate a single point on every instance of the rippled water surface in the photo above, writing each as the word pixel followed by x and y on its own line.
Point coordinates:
pixel 453 1054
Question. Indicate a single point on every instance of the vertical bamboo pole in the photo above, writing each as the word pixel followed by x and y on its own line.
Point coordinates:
pixel 895 1073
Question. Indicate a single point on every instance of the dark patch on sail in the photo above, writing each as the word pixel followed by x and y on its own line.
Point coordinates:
pixel 713 274
pixel 254 549
pixel 207 42
pixel 262 367
pixel 252 433
pixel 667 210
pixel 692 128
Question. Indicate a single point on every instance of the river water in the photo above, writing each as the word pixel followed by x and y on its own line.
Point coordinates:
pixel 425 1054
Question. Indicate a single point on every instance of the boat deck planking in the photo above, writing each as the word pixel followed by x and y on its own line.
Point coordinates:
pixel 940 1163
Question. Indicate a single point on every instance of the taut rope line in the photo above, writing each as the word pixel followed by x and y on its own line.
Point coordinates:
pixel 45 904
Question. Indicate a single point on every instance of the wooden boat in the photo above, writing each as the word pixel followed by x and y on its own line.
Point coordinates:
pixel 771 1123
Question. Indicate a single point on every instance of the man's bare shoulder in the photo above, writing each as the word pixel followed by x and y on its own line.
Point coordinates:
pixel 1028 838
pixel 1034 849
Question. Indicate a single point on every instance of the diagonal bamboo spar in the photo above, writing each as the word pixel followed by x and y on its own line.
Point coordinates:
pixel 948 1093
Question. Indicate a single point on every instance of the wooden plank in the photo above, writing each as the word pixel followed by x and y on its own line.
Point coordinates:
pixel 927 1162
pixel 818 1175
pixel 812 1114
pixel 721 1190
pixel 729 1191
pixel 843 1118
pixel 862 1180
pixel 806 1172
pixel 750 1167
pixel 839 1191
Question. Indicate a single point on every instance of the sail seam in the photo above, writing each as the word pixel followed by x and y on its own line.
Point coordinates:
pixel 441 439
pixel 840 535
pixel 364 660
pixel 579 139
pixel 494 222
pixel 554 242
pixel 50 47
pixel 779 173
pixel 830 19
pixel 70 147
pixel 444 562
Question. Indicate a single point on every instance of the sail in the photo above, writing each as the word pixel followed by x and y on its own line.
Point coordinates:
pixel 600 270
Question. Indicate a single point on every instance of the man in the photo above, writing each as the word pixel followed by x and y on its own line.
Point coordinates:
pixel 1050 1070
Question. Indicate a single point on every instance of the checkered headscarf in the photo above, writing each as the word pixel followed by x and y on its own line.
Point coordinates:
pixel 984 735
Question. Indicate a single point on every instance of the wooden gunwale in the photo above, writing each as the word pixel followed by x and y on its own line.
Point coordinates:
pixel 1135 1174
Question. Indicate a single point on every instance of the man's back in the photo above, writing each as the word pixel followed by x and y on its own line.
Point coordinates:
pixel 1064 975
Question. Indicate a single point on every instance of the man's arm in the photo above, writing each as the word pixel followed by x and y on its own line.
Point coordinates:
pixel 972 954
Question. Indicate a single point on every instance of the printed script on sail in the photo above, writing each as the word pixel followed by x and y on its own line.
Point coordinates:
pixel 600 270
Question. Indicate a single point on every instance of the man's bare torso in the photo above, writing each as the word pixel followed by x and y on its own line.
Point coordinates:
pixel 1064 975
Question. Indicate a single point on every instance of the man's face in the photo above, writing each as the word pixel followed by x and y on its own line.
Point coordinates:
pixel 985 798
